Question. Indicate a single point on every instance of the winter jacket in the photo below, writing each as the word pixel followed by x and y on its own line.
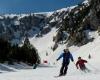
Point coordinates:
pixel 81 63
pixel 66 57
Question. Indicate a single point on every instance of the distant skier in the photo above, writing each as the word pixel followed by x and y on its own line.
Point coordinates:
pixel 89 56
pixel 66 60
pixel 46 54
pixel 35 65
pixel 81 64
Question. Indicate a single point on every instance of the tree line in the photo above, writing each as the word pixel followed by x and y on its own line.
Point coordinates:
pixel 26 53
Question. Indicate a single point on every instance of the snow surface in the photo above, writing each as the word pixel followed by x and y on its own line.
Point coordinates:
pixel 43 44
pixel 86 2
pixel 48 14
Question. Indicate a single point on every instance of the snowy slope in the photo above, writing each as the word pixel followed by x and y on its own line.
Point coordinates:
pixel 48 73
pixel 44 44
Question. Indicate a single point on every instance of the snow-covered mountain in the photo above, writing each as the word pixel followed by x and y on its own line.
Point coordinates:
pixel 70 25
pixel 78 23
pixel 15 27
pixel 24 72
pixel 72 22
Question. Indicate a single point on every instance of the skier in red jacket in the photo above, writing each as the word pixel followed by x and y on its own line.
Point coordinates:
pixel 81 64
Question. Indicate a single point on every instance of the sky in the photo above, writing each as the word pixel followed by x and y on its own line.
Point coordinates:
pixel 27 6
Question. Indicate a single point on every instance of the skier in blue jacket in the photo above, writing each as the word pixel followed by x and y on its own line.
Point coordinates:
pixel 67 56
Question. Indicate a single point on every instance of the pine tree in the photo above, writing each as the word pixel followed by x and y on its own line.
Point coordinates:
pixel 30 52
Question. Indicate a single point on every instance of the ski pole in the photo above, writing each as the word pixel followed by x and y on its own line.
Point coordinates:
pixel 74 64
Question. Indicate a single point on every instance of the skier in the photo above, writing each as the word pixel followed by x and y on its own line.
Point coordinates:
pixel 66 60
pixel 81 64
pixel 89 56
pixel 35 64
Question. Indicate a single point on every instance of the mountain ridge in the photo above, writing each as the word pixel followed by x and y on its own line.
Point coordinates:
pixel 71 20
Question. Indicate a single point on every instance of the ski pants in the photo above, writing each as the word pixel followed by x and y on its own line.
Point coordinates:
pixel 83 67
pixel 64 68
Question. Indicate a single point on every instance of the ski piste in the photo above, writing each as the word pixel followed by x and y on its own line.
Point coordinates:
pixel 81 72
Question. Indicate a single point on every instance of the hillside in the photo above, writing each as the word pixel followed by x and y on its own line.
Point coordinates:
pixel 65 27
pixel 42 73
pixel 14 27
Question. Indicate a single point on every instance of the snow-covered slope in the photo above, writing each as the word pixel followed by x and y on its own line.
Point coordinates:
pixel 44 44
pixel 44 73
pixel 14 27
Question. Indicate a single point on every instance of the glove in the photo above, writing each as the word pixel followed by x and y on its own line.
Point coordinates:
pixel 56 59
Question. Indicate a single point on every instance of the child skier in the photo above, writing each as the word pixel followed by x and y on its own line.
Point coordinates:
pixel 81 64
